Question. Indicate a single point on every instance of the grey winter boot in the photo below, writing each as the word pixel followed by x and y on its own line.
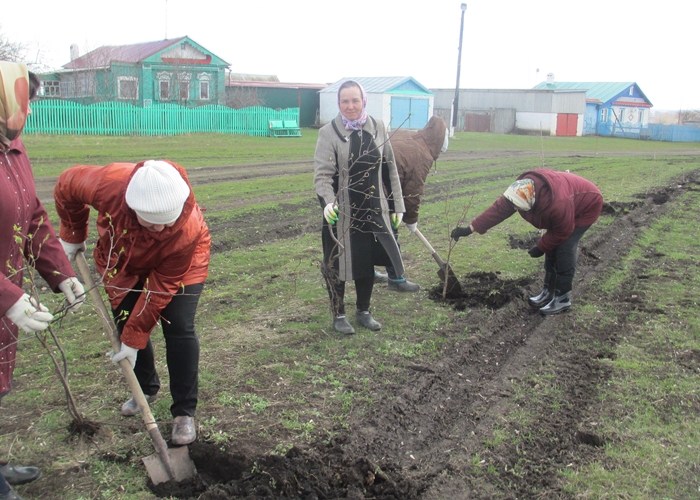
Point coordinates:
pixel 547 293
pixel 341 325
pixel 380 277
pixel 365 319
pixel 402 285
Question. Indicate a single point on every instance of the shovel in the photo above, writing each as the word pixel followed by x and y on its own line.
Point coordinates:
pixel 445 272
pixel 165 464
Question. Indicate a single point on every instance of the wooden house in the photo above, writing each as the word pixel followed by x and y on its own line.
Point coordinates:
pixel 612 108
pixel 176 70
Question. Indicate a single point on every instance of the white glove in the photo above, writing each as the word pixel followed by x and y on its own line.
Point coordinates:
pixel 74 292
pixel 331 213
pixel 412 227
pixel 396 220
pixel 72 249
pixel 126 352
pixel 28 315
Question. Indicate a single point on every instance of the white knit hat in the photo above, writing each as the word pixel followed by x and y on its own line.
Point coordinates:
pixel 157 192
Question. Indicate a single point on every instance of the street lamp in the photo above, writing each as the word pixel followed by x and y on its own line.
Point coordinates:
pixel 459 65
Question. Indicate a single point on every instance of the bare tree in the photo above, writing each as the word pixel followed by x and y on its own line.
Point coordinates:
pixel 11 51
pixel 243 97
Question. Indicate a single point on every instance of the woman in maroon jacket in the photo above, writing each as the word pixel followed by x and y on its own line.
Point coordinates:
pixel 564 204
pixel 26 238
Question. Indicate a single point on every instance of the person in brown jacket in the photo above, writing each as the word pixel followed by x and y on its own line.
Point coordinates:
pixel 564 204
pixel 153 255
pixel 415 153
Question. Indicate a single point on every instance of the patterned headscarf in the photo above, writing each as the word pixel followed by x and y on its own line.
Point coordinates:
pixel 522 194
pixel 354 124
pixel 14 101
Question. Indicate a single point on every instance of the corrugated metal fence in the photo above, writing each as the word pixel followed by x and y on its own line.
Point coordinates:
pixel 118 118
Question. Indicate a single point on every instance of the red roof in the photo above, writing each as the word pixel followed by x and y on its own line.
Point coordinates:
pixel 633 104
pixel 103 56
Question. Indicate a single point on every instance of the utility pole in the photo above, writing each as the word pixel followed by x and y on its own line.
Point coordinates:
pixel 459 66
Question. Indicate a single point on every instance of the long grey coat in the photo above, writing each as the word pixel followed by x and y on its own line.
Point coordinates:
pixel 331 158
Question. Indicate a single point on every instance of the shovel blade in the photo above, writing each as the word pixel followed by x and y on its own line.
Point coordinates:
pixel 182 465
pixel 453 286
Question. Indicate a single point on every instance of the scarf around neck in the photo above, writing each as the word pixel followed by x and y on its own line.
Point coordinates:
pixel 14 101
pixel 362 119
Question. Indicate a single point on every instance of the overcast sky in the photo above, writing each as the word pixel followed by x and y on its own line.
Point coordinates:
pixel 505 42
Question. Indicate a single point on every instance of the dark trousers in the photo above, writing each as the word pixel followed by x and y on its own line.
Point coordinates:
pixel 562 261
pixel 336 292
pixel 390 271
pixel 181 348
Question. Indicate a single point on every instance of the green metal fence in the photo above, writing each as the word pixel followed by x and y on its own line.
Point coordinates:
pixel 117 118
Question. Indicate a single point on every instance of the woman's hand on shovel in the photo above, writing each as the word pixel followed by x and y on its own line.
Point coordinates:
pixel 126 352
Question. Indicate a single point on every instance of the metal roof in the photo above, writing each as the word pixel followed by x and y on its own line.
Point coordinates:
pixel 274 85
pixel 250 77
pixel 103 56
pixel 376 84
pixel 595 91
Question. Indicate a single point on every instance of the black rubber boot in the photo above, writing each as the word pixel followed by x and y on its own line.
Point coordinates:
pixel 558 304
pixel 562 296
pixel 365 319
pixel 547 293
pixel 341 325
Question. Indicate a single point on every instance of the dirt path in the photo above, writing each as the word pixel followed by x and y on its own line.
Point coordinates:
pixel 432 436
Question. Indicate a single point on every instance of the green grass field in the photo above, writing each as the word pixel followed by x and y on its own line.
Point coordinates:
pixel 273 372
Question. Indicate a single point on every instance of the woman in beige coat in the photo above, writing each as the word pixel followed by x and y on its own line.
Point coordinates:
pixel 354 162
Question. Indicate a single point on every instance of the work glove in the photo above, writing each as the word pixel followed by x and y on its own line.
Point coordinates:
pixel 412 227
pixel 396 220
pixel 28 315
pixel 535 252
pixel 458 232
pixel 126 352
pixel 330 213
pixel 72 249
pixel 74 292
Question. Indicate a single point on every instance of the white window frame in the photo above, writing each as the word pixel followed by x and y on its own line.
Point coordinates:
pixel 121 79
pixel 604 115
pixel 203 84
pixel 160 89
pixel 183 85
pixel 51 88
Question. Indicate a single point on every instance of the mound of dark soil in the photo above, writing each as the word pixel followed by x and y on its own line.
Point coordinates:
pixel 482 289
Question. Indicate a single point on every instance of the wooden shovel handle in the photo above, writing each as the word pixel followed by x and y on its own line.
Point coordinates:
pixel 136 391
pixel 427 244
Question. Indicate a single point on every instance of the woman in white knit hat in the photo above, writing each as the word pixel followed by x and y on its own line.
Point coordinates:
pixel 153 254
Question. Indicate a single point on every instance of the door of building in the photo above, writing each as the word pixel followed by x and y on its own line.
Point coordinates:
pixel 567 123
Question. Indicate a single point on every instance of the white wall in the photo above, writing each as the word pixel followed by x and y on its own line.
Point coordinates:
pixel 545 122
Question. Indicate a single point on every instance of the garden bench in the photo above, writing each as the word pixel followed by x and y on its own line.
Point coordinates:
pixel 284 128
